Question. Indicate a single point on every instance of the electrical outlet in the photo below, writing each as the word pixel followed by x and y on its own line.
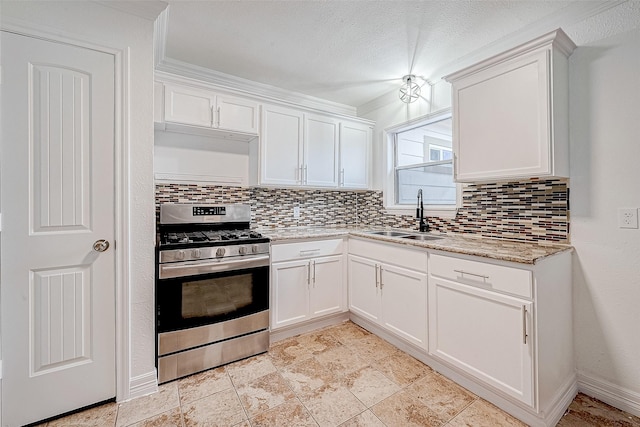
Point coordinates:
pixel 296 212
pixel 628 218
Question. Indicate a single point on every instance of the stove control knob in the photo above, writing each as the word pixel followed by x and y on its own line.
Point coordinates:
pixel 180 255
pixel 196 253
pixel 242 250
pixel 220 252
pixel 254 249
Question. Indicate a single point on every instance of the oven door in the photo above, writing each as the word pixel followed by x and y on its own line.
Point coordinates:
pixel 191 294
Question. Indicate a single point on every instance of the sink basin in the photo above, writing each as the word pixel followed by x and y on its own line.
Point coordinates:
pixel 421 237
pixel 389 233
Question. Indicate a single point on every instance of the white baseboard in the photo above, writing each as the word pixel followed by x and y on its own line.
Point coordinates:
pixel 143 385
pixel 612 394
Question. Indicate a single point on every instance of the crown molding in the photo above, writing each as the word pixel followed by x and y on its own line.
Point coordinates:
pixel 160 30
pixel 250 88
pixel 143 9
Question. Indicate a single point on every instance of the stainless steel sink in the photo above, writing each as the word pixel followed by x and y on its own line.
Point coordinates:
pixel 421 237
pixel 389 233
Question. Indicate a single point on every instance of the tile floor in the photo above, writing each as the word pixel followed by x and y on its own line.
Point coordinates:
pixel 338 376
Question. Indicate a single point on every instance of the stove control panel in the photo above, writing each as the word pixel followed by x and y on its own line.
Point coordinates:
pixel 209 210
pixel 217 252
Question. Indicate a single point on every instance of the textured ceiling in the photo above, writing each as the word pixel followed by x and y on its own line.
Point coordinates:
pixel 348 52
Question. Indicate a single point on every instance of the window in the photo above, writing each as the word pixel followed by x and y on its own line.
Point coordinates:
pixel 421 157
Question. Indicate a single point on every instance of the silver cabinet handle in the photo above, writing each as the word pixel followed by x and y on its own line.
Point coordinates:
pixel 342 177
pixel 471 274
pixel 309 252
pixel 211 116
pixel 524 324
pixel 376 267
pixel 101 245
pixel 381 284
pixel 218 125
pixel 309 273
pixel 299 175
pixel 306 174
pixel 314 274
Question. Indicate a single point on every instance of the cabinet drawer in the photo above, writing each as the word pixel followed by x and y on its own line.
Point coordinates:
pixel 414 259
pixel 309 249
pixel 500 278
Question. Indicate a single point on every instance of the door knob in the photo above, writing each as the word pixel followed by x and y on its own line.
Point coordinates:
pixel 101 245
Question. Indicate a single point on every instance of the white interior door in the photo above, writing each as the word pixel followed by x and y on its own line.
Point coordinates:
pixel 57 188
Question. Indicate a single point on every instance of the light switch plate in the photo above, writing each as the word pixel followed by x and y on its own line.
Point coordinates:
pixel 628 218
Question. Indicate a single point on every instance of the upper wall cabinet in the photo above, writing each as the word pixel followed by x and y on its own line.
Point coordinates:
pixel 312 150
pixel 510 113
pixel 204 109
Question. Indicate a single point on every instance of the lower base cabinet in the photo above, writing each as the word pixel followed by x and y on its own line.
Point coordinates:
pixel 395 297
pixel 307 288
pixel 484 333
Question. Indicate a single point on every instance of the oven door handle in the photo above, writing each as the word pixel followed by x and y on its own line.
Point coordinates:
pixel 182 269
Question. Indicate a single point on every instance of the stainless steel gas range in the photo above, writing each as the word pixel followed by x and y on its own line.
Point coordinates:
pixel 212 288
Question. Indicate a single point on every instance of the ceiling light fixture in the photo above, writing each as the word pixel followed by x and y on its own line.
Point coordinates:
pixel 409 91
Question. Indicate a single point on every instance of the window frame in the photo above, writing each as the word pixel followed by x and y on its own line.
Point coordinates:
pixel 390 185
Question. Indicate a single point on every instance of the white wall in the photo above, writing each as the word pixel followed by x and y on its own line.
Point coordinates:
pixel 105 26
pixel 605 154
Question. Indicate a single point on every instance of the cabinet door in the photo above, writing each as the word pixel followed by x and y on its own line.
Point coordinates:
pixel 237 114
pixel 327 285
pixel 501 120
pixel 404 303
pixel 486 334
pixel 320 151
pixel 355 140
pixel 290 292
pixel 364 290
pixel 188 106
pixel 281 146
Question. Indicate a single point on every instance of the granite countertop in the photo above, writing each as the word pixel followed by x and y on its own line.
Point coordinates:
pixel 504 250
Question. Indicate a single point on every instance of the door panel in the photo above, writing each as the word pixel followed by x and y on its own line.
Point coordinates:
pixel 327 285
pixel 364 295
pixel 291 292
pixel 321 151
pixel 355 140
pixel 57 294
pixel 281 146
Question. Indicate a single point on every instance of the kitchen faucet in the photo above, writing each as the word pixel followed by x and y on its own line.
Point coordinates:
pixel 424 225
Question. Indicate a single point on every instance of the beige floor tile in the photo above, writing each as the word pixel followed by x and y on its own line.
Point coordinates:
pixel 369 385
pixel 288 352
pixel 148 406
pixel 291 414
pixel 347 331
pixel 249 369
pixel 341 360
pixel 331 405
pixel 200 385
pixel 220 409
pixel 482 413
pixel 365 419
pixel 372 348
pixel 402 409
pixel 307 375
pixel 318 342
pixel 570 420
pixel 245 423
pixel 103 415
pixel 172 418
pixel 401 368
pixel 590 410
pixel 441 395
pixel 264 393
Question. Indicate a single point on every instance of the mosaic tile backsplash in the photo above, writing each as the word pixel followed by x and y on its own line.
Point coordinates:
pixel 528 210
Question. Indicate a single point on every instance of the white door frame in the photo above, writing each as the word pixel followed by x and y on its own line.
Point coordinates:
pixel 121 174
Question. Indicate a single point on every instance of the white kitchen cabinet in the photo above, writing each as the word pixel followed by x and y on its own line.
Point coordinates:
pixel 486 334
pixel 320 154
pixel 508 326
pixel 307 281
pixel 388 286
pixel 206 109
pixel 301 149
pixel 281 149
pixel 510 113
pixel 355 146
pixel 364 288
